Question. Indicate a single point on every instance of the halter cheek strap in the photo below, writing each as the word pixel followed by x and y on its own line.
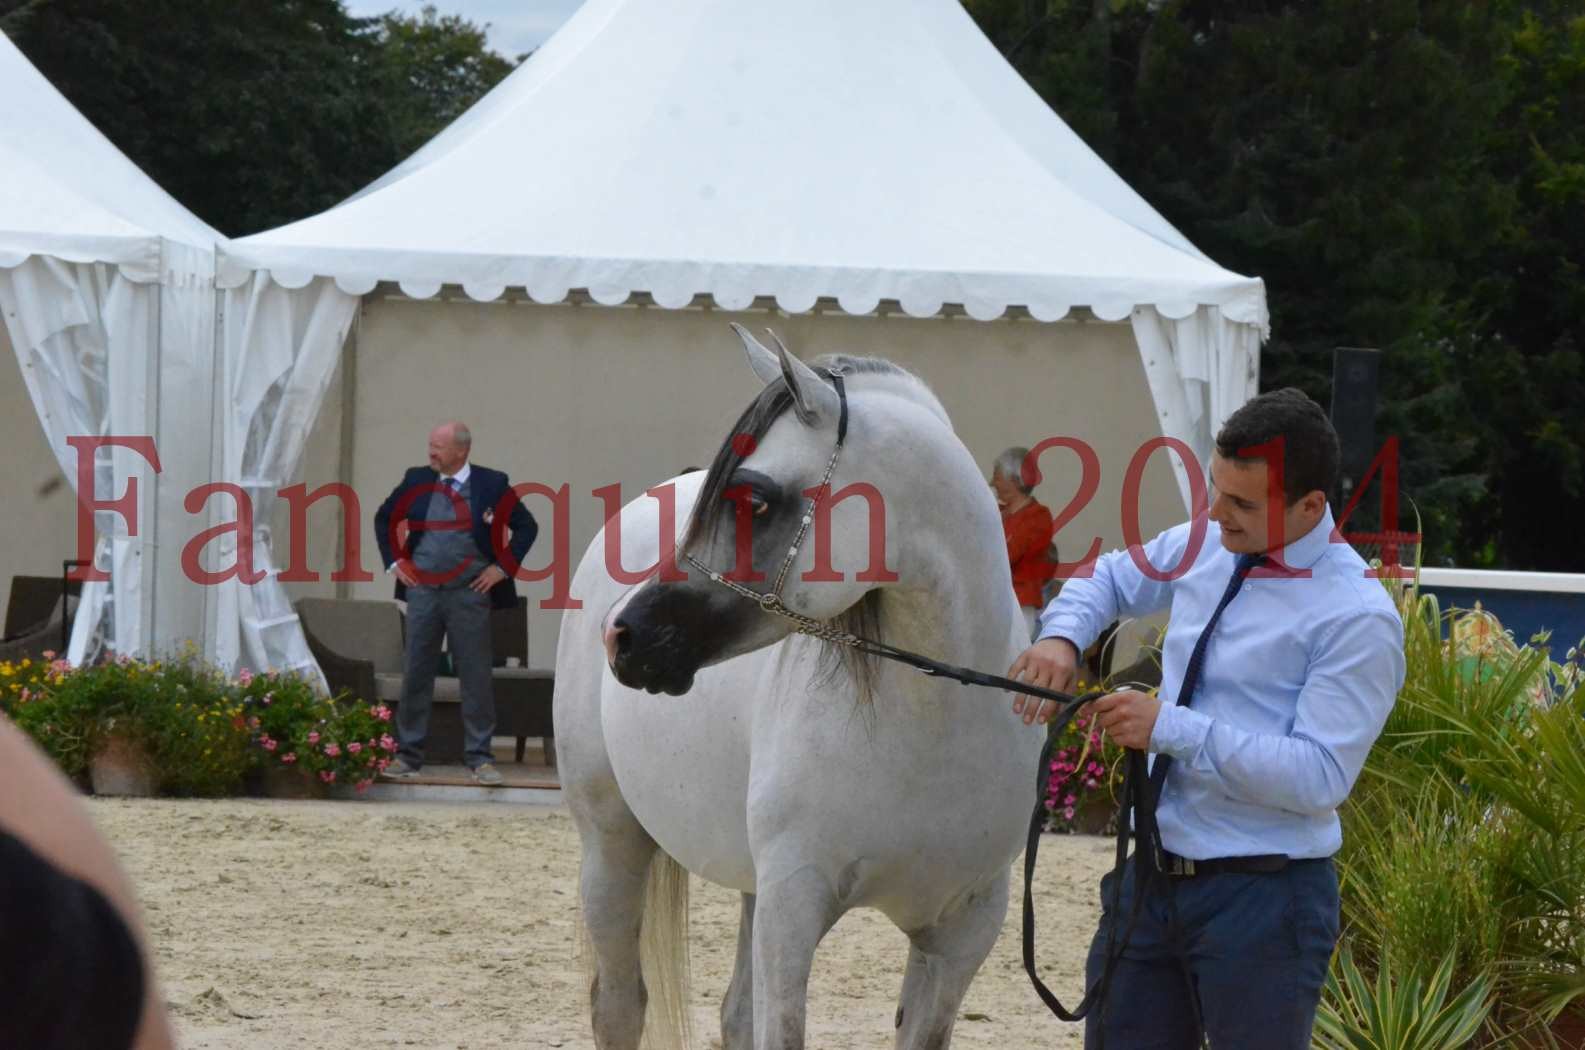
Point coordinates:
pixel 771 600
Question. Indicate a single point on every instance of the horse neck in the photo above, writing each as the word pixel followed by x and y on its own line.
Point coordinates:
pixel 954 612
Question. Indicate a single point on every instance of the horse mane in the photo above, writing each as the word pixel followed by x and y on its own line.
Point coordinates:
pixel 862 618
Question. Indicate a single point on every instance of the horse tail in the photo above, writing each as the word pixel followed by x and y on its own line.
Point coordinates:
pixel 663 955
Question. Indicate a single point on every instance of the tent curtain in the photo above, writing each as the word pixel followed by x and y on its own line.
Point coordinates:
pixel 82 334
pixel 1200 368
pixel 280 351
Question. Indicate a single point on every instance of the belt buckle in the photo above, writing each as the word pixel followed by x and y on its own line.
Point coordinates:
pixel 1182 867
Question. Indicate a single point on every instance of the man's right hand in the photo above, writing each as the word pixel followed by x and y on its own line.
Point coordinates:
pixel 406 571
pixel 1051 663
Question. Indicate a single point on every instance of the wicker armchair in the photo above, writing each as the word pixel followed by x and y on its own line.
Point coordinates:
pixel 37 616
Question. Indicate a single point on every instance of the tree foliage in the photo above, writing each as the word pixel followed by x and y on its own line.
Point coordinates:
pixel 255 113
pixel 1404 175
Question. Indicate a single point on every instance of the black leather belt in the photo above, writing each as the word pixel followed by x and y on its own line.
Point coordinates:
pixel 1182 867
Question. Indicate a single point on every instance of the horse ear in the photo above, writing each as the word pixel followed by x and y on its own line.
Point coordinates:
pixel 813 398
pixel 760 359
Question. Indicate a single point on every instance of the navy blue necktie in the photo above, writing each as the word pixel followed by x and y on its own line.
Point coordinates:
pixel 1191 675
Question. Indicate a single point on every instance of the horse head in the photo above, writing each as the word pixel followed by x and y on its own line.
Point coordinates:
pixel 756 530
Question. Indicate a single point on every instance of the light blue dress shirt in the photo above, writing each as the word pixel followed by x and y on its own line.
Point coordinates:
pixel 1300 675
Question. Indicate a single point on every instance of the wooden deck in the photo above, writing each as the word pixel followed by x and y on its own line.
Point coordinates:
pixel 531 781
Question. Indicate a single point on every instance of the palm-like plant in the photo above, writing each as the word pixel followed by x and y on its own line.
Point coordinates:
pixel 1408 1014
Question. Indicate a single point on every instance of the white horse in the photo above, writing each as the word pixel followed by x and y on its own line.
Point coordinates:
pixel 809 780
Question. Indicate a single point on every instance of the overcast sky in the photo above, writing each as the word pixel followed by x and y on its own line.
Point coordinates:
pixel 515 26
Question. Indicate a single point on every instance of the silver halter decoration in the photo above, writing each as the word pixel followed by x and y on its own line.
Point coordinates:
pixel 771 600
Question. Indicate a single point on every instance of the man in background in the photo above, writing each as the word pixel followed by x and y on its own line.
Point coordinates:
pixel 452 570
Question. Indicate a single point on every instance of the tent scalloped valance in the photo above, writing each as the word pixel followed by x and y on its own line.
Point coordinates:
pixel 733 296
pixel 139 272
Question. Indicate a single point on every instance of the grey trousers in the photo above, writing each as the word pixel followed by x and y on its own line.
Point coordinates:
pixel 461 616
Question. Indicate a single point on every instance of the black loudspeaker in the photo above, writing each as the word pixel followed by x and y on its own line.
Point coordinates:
pixel 1354 376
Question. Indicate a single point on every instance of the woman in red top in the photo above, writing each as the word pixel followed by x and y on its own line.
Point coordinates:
pixel 1027 525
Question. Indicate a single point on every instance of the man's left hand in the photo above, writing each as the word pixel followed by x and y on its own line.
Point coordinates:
pixel 491 576
pixel 1128 717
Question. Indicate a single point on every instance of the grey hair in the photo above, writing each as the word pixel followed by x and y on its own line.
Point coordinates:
pixel 1010 465
pixel 462 435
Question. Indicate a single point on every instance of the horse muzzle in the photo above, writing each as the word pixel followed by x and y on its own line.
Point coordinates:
pixel 643 663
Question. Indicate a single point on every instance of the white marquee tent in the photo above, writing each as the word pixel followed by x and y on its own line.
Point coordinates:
pixel 108 297
pixel 107 291
pixel 867 173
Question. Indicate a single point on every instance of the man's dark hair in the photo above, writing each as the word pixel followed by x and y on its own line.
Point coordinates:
pixel 1310 453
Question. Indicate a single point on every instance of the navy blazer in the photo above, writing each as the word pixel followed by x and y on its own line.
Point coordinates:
pixel 494 508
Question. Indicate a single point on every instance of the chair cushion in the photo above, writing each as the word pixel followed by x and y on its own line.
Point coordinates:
pixel 388 687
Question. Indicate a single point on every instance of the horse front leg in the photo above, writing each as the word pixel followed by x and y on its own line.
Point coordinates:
pixel 790 917
pixel 942 960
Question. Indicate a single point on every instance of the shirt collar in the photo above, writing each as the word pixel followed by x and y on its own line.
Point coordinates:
pixel 1305 551
pixel 461 476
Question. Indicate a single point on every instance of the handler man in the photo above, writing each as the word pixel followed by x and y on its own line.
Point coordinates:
pixel 1281 662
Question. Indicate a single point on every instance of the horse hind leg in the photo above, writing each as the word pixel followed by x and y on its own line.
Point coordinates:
pixel 612 882
pixel 942 961
pixel 634 911
pixel 737 1009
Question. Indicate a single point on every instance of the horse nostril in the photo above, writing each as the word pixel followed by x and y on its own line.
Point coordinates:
pixel 617 641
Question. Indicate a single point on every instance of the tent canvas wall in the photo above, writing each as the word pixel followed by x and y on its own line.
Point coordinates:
pixel 557 267
pixel 107 298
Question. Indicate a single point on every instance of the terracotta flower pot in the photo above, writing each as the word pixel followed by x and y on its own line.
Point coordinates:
pixel 122 767
pixel 292 782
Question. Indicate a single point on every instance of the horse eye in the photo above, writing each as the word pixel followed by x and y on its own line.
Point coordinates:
pixel 758 506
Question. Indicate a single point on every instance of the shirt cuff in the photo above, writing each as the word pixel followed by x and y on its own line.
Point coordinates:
pixel 1180 732
pixel 1064 625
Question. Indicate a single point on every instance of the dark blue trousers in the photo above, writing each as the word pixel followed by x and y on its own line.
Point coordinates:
pixel 1253 950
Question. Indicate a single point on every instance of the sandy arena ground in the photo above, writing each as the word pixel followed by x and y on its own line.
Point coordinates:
pixel 355 925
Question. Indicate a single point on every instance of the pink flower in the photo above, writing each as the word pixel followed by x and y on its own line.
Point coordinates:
pixel 288 758
pixel 313 737
pixel 267 744
pixel 387 743
pixel 381 764
pixel 383 713
pixel 1050 804
pixel 354 747
pixel 332 749
pixel 1070 800
pixel 327 775
pixel 1067 814
pixel 363 785
pixel 244 676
